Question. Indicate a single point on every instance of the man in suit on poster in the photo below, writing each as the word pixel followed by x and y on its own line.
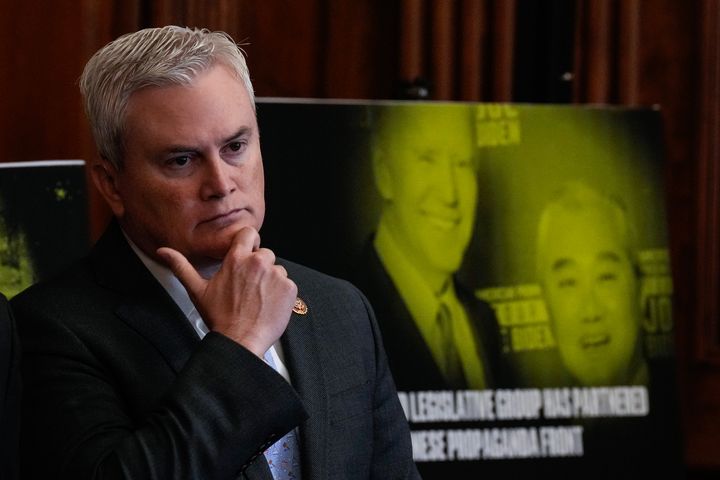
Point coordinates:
pixel 180 348
pixel 437 334
pixel 588 267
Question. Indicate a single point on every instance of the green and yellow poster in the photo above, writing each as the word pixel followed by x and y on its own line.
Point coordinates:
pixel 516 258
pixel 43 220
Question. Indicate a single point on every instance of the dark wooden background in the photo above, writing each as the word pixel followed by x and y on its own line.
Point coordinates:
pixel 622 52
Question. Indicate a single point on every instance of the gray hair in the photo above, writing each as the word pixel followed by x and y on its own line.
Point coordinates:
pixel 159 57
pixel 575 197
pixel 387 120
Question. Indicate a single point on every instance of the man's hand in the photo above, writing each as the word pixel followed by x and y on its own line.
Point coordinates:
pixel 249 299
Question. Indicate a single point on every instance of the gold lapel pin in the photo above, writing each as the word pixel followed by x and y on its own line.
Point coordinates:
pixel 300 307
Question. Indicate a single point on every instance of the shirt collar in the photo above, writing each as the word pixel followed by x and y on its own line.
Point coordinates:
pixel 166 278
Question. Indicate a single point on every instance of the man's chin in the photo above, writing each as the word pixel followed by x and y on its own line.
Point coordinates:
pixel 215 250
pixel 208 257
pixel 449 264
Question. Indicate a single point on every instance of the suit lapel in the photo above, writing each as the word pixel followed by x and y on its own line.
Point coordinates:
pixel 144 304
pixel 301 347
pixel 147 308
pixel 409 356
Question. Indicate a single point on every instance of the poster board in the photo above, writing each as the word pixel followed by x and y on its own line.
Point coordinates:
pixel 389 195
pixel 43 220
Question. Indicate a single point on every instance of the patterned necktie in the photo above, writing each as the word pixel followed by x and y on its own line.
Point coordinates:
pixel 283 456
pixel 452 365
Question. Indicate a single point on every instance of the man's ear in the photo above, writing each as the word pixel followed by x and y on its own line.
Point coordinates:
pixel 104 176
pixel 383 177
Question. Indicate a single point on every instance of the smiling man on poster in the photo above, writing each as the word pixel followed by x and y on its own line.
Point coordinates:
pixel 587 251
pixel 438 335
pixel 180 348
pixel 587 263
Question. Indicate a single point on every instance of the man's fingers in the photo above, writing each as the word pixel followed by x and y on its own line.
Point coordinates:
pixel 281 270
pixel 246 241
pixel 183 270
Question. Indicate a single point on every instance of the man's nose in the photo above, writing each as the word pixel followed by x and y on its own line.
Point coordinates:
pixel 591 306
pixel 446 183
pixel 217 181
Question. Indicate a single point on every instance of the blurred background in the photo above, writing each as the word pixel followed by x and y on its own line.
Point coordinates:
pixel 617 52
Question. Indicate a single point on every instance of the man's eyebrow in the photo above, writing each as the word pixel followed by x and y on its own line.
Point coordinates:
pixel 609 256
pixel 242 131
pixel 561 263
pixel 180 149
pixel 189 148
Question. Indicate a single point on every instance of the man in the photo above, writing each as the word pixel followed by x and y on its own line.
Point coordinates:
pixel 587 267
pixel 586 263
pixel 180 348
pixel 437 335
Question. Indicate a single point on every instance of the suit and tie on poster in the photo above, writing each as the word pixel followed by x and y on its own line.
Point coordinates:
pixel 517 261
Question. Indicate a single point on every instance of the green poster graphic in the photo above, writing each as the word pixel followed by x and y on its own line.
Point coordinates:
pixel 516 258
pixel 43 220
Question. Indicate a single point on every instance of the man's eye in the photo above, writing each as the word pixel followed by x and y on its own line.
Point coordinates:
pixel 428 158
pixel 234 152
pixel 179 162
pixel 607 277
pixel 566 282
pixel 463 162
pixel 235 146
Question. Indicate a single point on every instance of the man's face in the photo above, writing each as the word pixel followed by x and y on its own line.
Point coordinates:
pixel 592 295
pixel 431 186
pixel 192 174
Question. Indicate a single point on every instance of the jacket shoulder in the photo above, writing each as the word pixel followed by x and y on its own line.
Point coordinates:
pixel 317 284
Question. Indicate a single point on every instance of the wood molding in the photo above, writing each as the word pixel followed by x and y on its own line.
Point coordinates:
pixel 471 50
pixel 503 46
pixel 443 49
pixel 629 52
pixel 411 40
pixel 593 52
pixel 707 332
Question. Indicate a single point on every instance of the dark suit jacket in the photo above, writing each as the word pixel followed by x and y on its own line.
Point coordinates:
pixel 410 359
pixel 120 386
pixel 9 393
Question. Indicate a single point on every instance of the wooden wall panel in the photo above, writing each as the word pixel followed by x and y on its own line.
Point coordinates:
pixel 41 98
pixel 670 69
pixel 41 112
pixel 412 20
pixel 593 51
pixel 473 33
pixel 284 50
pixel 629 51
pixel 360 49
pixel 707 343
pixel 649 53
pixel 462 50
pixel 442 49
pixel 702 360
pixel 502 46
